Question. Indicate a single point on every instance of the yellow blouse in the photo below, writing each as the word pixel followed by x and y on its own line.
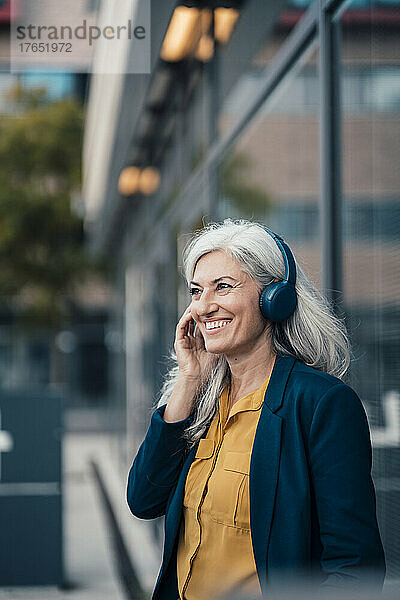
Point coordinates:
pixel 215 553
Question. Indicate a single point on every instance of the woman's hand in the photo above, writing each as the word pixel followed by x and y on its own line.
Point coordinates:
pixel 194 362
pixel 191 353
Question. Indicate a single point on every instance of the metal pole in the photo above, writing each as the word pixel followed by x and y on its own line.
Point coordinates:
pixel 330 154
pixel 213 103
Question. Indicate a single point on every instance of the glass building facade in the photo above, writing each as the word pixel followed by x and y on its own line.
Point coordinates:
pixel 295 122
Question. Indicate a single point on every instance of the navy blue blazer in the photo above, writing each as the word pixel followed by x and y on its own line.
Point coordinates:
pixel 312 500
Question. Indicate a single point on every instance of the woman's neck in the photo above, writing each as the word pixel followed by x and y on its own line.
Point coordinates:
pixel 247 374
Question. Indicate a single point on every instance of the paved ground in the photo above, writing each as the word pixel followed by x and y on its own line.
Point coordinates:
pixel 89 560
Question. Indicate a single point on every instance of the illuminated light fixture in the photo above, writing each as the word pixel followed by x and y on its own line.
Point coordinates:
pixel 224 22
pixel 182 35
pixel 149 181
pixel 128 182
pixel 205 48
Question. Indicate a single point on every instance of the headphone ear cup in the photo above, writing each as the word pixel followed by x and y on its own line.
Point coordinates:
pixel 278 301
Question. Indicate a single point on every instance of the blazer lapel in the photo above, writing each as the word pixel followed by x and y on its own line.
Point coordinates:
pixel 264 465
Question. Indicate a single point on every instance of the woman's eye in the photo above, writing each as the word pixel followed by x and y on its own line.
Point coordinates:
pixel 223 286
pixel 220 287
pixel 194 291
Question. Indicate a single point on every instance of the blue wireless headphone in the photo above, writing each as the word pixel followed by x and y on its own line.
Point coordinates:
pixel 278 300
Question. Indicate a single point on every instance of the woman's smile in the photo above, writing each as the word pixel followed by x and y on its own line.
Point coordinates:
pixel 215 325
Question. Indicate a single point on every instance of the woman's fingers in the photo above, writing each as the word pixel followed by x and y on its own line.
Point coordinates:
pixel 199 339
pixel 182 326
pixel 191 329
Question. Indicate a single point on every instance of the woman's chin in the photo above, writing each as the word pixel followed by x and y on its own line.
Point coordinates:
pixel 215 348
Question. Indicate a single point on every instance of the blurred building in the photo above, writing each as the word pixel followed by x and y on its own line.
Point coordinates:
pixel 287 112
pixel 82 347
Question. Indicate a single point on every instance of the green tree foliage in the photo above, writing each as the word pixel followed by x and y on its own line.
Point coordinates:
pixel 41 238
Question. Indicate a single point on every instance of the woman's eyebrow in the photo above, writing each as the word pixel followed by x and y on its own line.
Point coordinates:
pixel 215 280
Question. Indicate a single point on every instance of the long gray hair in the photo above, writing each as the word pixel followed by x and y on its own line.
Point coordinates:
pixel 312 334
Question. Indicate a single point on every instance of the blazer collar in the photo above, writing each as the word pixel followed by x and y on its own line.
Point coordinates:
pixel 278 381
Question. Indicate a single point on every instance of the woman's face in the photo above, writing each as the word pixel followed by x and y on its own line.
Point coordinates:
pixel 225 305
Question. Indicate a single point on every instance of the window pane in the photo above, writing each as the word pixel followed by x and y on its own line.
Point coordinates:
pixel 272 172
pixel 282 17
pixel 371 188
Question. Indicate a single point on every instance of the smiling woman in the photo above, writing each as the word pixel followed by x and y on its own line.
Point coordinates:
pixel 258 455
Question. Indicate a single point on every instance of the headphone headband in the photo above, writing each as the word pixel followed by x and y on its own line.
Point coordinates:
pixel 290 265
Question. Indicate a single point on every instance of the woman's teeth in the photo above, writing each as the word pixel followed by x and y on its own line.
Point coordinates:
pixel 216 324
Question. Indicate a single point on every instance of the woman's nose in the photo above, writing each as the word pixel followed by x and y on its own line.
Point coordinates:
pixel 205 304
